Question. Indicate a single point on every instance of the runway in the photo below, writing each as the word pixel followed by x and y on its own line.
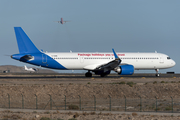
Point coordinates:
pixel 41 79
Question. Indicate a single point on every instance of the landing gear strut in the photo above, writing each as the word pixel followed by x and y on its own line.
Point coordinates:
pixel 157 74
pixel 88 74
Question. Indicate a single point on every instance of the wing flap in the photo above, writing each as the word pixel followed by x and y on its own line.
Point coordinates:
pixel 93 66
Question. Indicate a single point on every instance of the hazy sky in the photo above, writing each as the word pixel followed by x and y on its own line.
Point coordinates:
pixel 96 26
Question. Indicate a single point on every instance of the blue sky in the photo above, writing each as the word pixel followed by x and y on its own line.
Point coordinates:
pixel 96 26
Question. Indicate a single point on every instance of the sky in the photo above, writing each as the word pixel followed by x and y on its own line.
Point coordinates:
pixel 95 26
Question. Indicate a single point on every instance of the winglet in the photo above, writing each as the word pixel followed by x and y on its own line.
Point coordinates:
pixel 115 55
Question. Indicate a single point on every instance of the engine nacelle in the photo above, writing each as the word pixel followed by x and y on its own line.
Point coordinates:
pixel 125 70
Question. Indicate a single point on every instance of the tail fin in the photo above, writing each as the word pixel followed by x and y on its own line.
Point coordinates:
pixel 25 67
pixel 25 45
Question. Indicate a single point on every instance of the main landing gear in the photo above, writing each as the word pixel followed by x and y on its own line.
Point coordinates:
pixel 157 74
pixel 88 74
pixel 103 75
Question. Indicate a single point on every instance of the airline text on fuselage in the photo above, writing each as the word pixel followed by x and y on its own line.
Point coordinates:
pixel 98 54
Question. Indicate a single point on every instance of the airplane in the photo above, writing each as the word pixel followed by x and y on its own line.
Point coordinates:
pixel 99 63
pixel 61 21
pixel 30 69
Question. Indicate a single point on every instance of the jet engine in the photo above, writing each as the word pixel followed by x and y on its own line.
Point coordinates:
pixel 124 69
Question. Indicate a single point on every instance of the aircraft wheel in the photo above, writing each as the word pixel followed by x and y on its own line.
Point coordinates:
pixel 103 75
pixel 157 75
pixel 88 74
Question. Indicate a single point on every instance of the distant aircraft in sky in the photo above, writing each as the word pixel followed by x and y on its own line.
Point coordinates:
pixel 30 69
pixel 99 63
pixel 62 21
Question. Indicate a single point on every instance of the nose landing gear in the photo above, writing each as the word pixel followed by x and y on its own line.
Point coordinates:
pixel 157 74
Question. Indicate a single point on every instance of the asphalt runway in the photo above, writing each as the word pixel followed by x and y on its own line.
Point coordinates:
pixel 64 75
pixel 41 79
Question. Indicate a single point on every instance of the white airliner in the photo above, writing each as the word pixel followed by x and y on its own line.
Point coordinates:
pixel 62 21
pixel 99 63
pixel 30 69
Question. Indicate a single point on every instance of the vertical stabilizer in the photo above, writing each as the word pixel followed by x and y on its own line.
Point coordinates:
pixel 25 45
pixel 25 67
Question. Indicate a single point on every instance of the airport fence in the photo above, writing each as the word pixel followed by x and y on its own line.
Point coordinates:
pixel 62 102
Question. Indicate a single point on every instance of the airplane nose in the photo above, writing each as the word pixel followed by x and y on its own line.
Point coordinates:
pixel 173 63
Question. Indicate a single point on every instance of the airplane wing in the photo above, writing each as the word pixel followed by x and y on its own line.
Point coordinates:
pixel 93 67
pixel 105 66
pixel 66 21
pixel 58 21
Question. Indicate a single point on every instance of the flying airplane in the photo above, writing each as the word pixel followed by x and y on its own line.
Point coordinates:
pixel 30 69
pixel 61 21
pixel 99 63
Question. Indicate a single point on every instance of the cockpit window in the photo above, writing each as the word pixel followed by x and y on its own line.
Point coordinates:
pixel 168 58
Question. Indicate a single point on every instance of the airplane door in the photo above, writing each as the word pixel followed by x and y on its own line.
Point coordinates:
pixel 44 58
pixel 81 59
pixel 161 60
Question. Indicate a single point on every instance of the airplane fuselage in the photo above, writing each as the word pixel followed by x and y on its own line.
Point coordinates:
pixel 78 61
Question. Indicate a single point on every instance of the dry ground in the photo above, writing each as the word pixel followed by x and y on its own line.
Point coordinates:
pixel 57 86
pixel 57 115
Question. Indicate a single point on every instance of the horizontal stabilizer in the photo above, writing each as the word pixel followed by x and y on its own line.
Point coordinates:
pixel 27 57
